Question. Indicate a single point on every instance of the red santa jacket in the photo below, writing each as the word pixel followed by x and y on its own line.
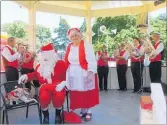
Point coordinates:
pixel 59 74
pixel 82 56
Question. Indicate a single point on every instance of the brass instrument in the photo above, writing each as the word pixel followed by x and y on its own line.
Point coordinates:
pixel 148 47
pixel 132 49
pixel 23 55
pixel 129 48
pixel 103 56
pixel 116 53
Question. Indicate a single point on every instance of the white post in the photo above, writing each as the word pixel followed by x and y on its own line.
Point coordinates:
pixel 32 26
pixel 88 23
pixel 159 103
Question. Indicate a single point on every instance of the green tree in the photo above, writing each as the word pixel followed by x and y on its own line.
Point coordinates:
pixel 15 29
pixel 43 34
pixel 62 40
pixel 83 26
pixel 111 23
pixel 126 29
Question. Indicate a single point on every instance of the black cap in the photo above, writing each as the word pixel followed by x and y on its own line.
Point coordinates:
pixel 142 25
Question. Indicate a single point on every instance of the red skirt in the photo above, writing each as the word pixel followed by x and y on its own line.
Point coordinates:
pixel 85 99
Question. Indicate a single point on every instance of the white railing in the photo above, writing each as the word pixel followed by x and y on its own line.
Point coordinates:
pixel 113 81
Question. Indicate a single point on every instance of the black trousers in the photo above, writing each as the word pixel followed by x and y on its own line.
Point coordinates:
pixel 155 72
pixel 121 72
pixel 35 82
pixel 137 73
pixel 12 74
pixel 103 75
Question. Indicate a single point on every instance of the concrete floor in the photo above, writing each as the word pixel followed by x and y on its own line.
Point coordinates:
pixel 115 108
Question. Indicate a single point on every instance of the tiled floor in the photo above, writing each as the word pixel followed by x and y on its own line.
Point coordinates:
pixel 115 108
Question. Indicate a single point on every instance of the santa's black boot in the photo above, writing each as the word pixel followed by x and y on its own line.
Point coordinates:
pixel 58 119
pixel 46 117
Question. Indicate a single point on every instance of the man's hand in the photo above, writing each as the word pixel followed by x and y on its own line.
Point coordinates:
pixel 60 86
pixel 90 76
pixel 23 79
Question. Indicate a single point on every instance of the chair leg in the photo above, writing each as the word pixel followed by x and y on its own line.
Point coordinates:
pixel 3 117
pixel 40 114
pixel 63 114
pixel 67 101
pixel 6 113
pixel 27 111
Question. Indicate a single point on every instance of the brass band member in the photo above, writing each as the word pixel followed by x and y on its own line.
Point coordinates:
pixel 103 69
pixel 27 67
pixel 10 58
pixel 122 61
pixel 155 59
pixel 137 59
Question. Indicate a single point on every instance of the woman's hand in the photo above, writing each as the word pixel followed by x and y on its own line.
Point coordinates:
pixel 90 76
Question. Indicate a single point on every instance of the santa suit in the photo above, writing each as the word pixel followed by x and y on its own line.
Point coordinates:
pixel 80 60
pixel 47 90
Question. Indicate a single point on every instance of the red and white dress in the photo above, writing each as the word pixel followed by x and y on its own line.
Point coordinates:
pixel 81 59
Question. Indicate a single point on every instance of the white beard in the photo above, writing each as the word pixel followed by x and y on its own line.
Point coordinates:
pixel 46 69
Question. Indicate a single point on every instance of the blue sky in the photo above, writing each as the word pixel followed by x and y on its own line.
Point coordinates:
pixel 46 19
pixel 10 11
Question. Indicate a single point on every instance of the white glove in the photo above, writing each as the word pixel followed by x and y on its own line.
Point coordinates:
pixel 90 76
pixel 23 79
pixel 60 86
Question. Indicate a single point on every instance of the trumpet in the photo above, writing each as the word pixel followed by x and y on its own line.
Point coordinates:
pixel 148 48
pixel 103 56
pixel 23 55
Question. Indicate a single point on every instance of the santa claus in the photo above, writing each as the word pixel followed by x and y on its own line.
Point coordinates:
pixel 50 72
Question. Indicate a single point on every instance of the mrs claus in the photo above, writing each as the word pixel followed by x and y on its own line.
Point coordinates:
pixel 81 75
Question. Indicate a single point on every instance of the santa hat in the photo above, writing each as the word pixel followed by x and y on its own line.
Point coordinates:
pixel 48 47
pixel 71 118
pixel 69 31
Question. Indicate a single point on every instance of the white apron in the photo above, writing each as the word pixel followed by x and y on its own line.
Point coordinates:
pixel 76 76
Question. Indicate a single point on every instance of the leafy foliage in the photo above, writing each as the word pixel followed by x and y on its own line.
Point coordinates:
pixel 62 40
pixel 83 26
pixel 18 29
pixel 126 30
pixel 43 33
pixel 15 29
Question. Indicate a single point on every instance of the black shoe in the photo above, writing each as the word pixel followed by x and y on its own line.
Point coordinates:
pixel 106 90
pixel 58 119
pixel 46 117
pixel 134 91
pixel 140 91
pixel 119 89
pixel 125 89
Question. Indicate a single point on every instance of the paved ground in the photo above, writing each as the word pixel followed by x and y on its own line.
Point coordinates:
pixel 116 108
